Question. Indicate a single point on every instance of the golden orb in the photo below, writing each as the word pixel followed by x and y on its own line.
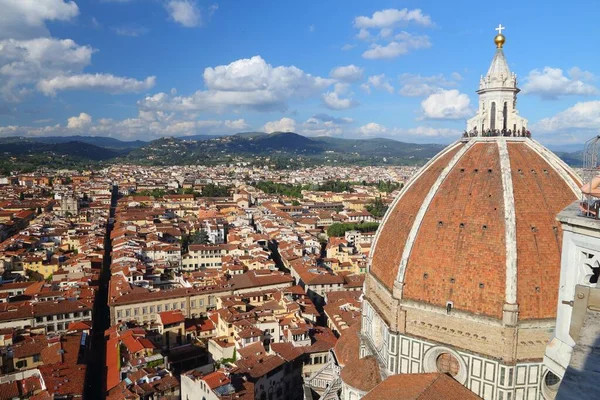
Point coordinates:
pixel 499 40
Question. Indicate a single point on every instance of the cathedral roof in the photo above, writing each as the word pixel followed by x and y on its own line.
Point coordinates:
pixel 347 348
pixel 432 386
pixel 362 374
pixel 476 227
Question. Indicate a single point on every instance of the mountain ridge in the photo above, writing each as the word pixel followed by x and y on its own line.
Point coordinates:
pixel 282 149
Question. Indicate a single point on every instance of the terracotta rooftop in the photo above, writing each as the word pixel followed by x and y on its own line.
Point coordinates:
pixel 171 317
pixel 347 348
pixel 362 374
pixel 432 386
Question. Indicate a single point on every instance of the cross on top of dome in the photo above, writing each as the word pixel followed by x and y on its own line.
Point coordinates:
pixel 500 39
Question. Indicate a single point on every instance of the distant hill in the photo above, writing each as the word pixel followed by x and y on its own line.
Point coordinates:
pixel 77 149
pixel 282 149
pixel 100 141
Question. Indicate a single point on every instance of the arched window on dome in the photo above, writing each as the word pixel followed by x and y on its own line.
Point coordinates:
pixel 446 363
pixel 505 116
pixel 493 116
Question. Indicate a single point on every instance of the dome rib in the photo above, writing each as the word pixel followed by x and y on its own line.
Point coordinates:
pixel 559 166
pixel 421 214
pixel 382 263
pixel 510 224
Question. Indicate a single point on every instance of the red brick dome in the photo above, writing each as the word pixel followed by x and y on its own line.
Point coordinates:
pixel 476 227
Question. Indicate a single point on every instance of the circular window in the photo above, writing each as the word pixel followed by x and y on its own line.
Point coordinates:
pixel 446 363
pixel 551 384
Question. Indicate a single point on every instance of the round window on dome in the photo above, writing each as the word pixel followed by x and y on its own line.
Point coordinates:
pixel 446 363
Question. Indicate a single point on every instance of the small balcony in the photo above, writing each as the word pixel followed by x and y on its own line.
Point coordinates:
pixel 523 133
pixel 589 206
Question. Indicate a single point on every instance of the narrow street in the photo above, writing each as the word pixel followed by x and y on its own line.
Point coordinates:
pixel 95 380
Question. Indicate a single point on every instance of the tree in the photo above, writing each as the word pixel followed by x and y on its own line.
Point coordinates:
pixel 212 190
pixel 336 186
pixel 377 208
pixel 338 229
pixel 295 203
pixel 22 196
pixel 200 237
pixel 285 189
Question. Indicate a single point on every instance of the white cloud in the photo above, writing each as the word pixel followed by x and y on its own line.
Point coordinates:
pixel 285 124
pixel 363 34
pixel 402 44
pixel 378 82
pixel 446 104
pixel 311 28
pixel 393 17
pixel 371 129
pixel 333 101
pixel 26 19
pixel 243 84
pixel 386 32
pixel 417 85
pixel 550 83
pixel 430 132
pixel 147 125
pixel 348 73
pixel 103 82
pixel 52 65
pixel 316 127
pixel 456 76
pixel 329 118
pixel 184 12
pixel 375 129
pixel 584 116
pixel 348 46
pixel 25 62
pixel 82 121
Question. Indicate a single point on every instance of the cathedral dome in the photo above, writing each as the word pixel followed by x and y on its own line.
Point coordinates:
pixel 475 229
pixel 464 272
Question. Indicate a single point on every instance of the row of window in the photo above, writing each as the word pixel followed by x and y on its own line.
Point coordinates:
pixel 160 308
pixel 58 317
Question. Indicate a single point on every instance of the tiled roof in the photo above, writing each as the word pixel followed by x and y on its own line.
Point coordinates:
pixel 64 379
pixel 362 374
pixel 171 317
pixel 433 386
pixel 347 348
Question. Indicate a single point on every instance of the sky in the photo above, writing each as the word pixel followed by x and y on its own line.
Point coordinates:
pixel 406 70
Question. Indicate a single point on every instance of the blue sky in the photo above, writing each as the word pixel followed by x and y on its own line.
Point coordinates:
pixel 143 69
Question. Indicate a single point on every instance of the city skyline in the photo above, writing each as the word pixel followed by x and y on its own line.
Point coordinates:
pixel 144 70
